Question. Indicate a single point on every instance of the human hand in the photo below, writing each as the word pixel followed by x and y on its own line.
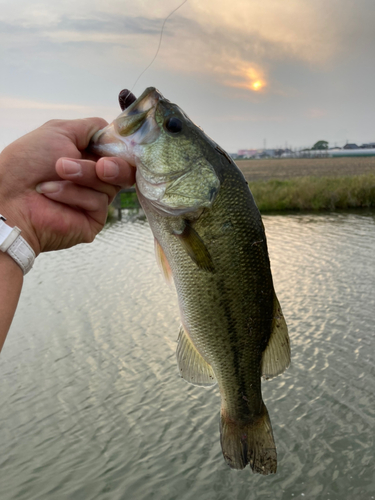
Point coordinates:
pixel 73 206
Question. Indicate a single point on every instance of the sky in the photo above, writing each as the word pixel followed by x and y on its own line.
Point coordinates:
pixel 251 73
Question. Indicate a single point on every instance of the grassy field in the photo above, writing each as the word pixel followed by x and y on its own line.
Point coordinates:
pixel 311 183
pixel 289 168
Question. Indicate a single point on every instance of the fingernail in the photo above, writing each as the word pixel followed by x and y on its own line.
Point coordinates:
pixel 48 187
pixel 71 167
pixel 110 168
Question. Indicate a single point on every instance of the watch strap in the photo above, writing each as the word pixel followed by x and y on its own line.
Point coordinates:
pixel 7 236
pixel 17 247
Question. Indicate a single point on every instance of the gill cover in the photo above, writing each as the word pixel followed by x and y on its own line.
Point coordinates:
pixel 190 191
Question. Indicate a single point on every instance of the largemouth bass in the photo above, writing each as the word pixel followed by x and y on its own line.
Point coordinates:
pixel 210 243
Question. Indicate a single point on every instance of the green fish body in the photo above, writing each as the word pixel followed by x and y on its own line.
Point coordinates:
pixel 210 243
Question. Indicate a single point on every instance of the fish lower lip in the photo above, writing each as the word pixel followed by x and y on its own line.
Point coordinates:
pixel 96 137
pixel 106 131
pixel 95 141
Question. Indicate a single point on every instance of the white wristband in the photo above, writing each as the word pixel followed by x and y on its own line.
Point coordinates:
pixel 14 245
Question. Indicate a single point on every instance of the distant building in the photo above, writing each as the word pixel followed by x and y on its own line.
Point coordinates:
pixel 279 152
pixel 247 153
pixel 350 149
pixel 265 153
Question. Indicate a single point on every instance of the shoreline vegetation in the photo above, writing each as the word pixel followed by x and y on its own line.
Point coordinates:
pixel 300 184
pixel 315 193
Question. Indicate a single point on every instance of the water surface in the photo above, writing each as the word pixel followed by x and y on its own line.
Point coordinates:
pixel 92 407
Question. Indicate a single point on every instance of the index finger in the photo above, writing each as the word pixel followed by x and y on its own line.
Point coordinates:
pixel 81 130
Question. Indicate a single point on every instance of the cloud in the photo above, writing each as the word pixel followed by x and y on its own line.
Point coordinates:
pixel 70 110
pixel 15 103
pixel 103 29
pixel 227 42
pixel 20 116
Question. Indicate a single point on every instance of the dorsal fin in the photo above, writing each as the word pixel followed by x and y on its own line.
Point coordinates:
pixel 191 365
pixel 276 356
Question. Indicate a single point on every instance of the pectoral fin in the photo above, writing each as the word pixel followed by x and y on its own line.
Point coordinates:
pixel 276 356
pixel 191 365
pixel 195 247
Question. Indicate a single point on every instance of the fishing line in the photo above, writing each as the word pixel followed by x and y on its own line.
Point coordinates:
pixel 157 50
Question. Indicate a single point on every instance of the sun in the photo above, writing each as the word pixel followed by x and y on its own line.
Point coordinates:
pixel 255 78
pixel 247 76
pixel 258 85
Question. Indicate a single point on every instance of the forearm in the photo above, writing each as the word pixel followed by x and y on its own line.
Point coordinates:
pixel 11 279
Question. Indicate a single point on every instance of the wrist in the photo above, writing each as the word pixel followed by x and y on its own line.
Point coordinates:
pixel 11 278
pixel 9 266
pixel 18 219
pixel 15 200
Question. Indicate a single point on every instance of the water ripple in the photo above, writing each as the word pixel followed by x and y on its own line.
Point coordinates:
pixel 92 406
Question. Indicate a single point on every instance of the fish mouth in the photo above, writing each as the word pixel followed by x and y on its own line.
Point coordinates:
pixel 136 125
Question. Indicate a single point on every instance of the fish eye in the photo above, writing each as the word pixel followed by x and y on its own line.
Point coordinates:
pixel 173 125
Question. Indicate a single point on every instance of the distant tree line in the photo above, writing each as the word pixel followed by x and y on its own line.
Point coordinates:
pixel 320 145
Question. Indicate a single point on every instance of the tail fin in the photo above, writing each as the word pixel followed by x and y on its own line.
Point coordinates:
pixel 249 443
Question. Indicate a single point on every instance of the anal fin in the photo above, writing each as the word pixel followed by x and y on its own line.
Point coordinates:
pixel 276 356
pixel 191 365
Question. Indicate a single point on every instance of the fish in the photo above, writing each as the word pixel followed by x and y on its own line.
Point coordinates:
pixel 210 244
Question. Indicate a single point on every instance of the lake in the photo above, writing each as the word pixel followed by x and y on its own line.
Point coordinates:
pixel 92 406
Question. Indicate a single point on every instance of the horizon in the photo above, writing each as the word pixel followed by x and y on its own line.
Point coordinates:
pixel 302 148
